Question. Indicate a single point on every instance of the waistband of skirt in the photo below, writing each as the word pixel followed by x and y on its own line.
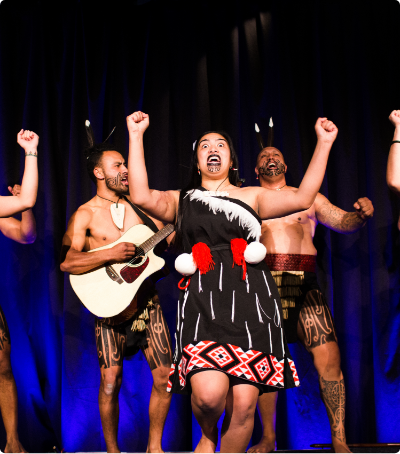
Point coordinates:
pixel 221 247
pixel 291 262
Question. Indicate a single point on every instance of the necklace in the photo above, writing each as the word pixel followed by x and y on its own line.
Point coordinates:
pixel 278 189
pixel 117 212
pixel 108 200
pixel 219 185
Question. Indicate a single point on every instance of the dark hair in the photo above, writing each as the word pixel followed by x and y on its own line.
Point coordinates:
pixel 195 182
pixel 93 157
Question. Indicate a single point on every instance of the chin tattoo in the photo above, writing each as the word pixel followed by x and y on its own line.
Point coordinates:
pixel 264 171
pixel 213 169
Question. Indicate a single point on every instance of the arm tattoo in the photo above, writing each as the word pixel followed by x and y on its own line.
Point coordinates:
pixel 333 396
pixel 339 220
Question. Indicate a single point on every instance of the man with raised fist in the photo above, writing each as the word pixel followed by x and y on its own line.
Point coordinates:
pixel 291 257
pixel 23 198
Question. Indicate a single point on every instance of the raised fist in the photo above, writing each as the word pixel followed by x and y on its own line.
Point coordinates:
pixel 15 190
pixel 394 117
pixel 326 130
pixel 137 122
pixel 122 252
pixel 364 208
pixel 28 140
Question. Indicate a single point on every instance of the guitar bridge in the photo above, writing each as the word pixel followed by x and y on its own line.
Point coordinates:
pixel 113 275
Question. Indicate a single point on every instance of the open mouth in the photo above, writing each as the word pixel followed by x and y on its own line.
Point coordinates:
pixel 124 180
pixel 214 163
pixel 214 160
pixel 272 165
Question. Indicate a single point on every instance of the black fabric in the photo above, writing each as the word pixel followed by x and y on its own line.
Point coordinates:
pixel 224 311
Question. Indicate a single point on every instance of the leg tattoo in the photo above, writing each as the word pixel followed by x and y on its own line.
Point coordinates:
pixel 158 351
pixel 316 321
pixel 111 344
pixel 333 395
pixel 4 333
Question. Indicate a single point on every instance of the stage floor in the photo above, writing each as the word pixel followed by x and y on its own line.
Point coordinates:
pixel 377 449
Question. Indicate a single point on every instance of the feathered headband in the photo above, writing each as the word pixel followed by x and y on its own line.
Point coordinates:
pixel 270 139
pixel 90 135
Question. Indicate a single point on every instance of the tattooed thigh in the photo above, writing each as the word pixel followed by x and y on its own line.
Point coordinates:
pixel 4 332
pixel 111 344
pixel 158 350
pixel 315 321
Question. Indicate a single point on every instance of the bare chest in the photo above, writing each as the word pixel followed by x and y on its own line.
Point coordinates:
pixel 103 231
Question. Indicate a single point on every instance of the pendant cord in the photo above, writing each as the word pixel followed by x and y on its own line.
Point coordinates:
pixel 278 189
pixel 219 184
pixel 108 200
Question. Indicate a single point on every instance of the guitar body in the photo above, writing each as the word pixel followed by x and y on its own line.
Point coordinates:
pixel 106 291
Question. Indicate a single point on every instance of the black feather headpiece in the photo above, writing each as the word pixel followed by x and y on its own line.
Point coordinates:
pixel 94 151
pixel 270 139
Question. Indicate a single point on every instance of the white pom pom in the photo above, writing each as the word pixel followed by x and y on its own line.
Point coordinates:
pixel 255 252
pixel 185 265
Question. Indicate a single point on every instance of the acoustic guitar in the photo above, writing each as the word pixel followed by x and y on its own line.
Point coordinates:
pixel 109 289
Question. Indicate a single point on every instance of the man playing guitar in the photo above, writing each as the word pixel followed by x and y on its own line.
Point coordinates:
pixel 90 227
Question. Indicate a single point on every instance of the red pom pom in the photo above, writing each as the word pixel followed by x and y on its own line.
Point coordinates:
pixel 238 246
pixel 202 257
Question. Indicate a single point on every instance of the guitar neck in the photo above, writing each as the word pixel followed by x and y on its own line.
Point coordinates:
pixel 156 238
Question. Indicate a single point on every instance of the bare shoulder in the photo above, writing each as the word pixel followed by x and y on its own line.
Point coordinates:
pixel 83 215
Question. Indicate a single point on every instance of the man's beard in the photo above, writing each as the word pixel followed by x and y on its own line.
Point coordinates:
pixel 265 172
pixel 115 184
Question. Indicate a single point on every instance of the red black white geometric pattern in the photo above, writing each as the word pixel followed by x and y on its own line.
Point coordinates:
pixel 252 365
pixel 294 372
pixel 171 374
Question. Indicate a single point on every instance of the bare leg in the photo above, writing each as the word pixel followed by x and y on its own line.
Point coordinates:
pixel 317 333
pixel 158 353
pixel 267 409
pixel 239 418
pixel 8 391
pixel 209 391
pixel 110 385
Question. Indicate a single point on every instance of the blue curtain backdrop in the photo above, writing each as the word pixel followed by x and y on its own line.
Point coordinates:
pixel 195 66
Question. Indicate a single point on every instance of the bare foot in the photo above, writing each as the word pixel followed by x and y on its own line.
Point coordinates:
pixel 14 446
pixel 340 447
pixel 265 445
pixel 205 445
pixel 112 450
pixel 154 449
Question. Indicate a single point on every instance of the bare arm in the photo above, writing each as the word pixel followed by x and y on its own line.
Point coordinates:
pixel 74 260
pixel 159 204
pixel 23 231
pixel 274 204
pixel 342 221
pixel 27 197
pixel 393 165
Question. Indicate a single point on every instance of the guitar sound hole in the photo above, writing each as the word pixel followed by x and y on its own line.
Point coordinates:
pixel 138 260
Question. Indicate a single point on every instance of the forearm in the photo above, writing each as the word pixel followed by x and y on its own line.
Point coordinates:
pixel 29 185
pixel 28 227
pixel 314 176
pixel 77 262
pixel 349 223
pixel 393 165
pixel 138 181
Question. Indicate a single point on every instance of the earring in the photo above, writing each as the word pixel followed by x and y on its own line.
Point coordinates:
pixel 232 168
pixel 198 171
pixel 257 177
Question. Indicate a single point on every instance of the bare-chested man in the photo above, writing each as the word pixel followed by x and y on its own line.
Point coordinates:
pixel 393 165
pixel 90 227
pixel 24 231
pixel 291 257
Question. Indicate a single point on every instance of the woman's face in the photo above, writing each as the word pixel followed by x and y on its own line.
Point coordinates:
pixel 213 156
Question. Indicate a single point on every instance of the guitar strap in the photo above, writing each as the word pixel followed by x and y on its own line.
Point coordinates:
pixel 146 220
pixel 163 245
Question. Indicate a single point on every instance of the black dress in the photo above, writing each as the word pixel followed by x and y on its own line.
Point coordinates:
pixel 224 322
